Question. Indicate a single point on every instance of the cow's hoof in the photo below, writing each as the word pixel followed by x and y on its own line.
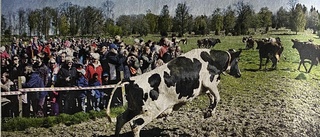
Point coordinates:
pixel 207 114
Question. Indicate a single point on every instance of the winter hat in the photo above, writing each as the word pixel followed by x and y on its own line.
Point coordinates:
pixel 95 56
pixel 105 74
pixel 113 46
pixel 2 49
pixel 82 71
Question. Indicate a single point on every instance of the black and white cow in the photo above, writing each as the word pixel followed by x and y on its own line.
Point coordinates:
pixel 157 93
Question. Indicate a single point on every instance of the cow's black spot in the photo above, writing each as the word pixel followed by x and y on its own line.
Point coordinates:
pixel 137 122
pixel 184 75
pixel 154 82
pixel 135 96
pixel 154 95
pixel 145 97
pixel 217 62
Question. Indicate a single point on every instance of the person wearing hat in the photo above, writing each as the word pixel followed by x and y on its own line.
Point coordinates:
pixel 67 78
pixel 34 80
pixel 105 92
pixel 93 74
pixel 95 96
pixel 16 70
pixel 81 81
pixel 103 58
pixel 43 70
pixel 116 62
pixel 54 95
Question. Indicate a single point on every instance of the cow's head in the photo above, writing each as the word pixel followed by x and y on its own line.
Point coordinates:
pixel 218 41
pixel 244 39
pixel 233 68
pixel 222 62
pixel 260 43
pixel 296 43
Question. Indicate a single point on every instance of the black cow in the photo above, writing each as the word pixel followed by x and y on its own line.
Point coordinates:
pixel 208 43
pixel 159 92
pixel 184 41
pixel 269 50
pixel 249 42
pixel 307 50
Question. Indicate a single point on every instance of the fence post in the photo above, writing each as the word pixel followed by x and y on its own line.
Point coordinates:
pixel 124 101
pixel 20 96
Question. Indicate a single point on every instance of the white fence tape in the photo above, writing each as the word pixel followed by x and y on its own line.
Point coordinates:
pixel 58 89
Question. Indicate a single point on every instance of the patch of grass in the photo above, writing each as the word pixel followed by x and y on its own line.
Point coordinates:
pixel 22 123
pixel 115 111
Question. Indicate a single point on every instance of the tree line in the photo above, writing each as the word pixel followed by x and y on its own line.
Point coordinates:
pixel 73 20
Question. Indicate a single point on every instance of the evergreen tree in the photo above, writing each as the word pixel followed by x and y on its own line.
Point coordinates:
pixel 164 22
pixel 182 18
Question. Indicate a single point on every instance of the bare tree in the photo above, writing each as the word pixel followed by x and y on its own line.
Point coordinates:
pixel 108 9
pixel 293 3
pixel 22 21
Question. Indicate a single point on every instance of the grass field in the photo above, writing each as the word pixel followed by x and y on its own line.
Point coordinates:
pixel 282 102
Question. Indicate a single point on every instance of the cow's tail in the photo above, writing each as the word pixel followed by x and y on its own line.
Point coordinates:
pixel 110 99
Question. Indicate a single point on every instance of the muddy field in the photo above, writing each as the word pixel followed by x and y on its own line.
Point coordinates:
pixel 262 112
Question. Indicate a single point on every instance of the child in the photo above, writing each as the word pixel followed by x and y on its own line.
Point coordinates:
pixel 95 93
pixel 81 82
pixel 105 92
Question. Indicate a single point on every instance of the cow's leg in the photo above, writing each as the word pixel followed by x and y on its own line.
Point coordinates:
pixel 121 120
pixel 310 67
pixel 274 63
pixel 301 62
pixel 265 65
pixel 304 65
pixel 214 97
pixel 260 63
pixel 139 121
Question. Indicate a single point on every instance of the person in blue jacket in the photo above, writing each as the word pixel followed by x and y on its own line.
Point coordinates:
pixel 95 93
pixel 33 81
pixel 81 81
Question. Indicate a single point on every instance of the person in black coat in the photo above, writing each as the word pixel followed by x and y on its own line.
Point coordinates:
pixel 67 78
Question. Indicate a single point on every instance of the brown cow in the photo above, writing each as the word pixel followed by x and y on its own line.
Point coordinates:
pixel 307 50
pixel 269 50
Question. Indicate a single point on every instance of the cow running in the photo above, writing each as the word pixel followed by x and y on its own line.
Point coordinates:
pixel 269 50
pixel 309 51
pixel 157 93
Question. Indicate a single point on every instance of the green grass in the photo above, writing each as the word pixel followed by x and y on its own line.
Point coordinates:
pixel 273 86
pixel 22 123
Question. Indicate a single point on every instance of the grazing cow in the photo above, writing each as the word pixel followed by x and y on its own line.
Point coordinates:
pixel 208 43
pixel 269 50
pixel 249 42
pixel 157 93
pixel 184 41
pixel 307 50
pixel 272 40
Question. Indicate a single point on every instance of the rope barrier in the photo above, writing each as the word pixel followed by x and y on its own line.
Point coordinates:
pixel 58 89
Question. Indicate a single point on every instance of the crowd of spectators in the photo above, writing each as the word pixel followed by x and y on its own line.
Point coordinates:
pixel 80 62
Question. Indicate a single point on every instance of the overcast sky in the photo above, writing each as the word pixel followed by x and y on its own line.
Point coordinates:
pixel 127 7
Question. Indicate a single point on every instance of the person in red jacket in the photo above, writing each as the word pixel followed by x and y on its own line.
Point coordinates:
pixel 94 67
